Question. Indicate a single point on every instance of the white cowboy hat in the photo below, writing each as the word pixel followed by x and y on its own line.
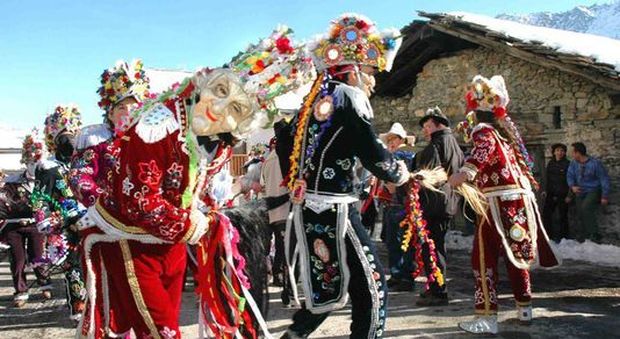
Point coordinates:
pixel 398 130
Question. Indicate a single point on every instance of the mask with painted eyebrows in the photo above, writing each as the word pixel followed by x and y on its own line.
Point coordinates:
pixel 223 104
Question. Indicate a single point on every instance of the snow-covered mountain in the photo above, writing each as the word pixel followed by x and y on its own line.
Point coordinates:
pixel 599 19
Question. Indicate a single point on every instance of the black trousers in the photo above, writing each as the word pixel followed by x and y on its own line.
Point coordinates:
pixel 437 228
pixel 279 259
pixel 362 260
pixel 27 245
pixel 553 202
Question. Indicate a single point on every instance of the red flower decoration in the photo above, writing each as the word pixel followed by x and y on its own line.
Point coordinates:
pixel 499 112
pixel 150 174
pixel 361 25
pixel 283 44
pixel 472 104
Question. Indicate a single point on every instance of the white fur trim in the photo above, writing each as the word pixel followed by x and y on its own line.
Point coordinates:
pixel 156 123
pixel 358 98
pixel 404 171
pixel 92 135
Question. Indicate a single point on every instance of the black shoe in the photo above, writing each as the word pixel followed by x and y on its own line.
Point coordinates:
pixel 433 300
pixel 393 281
pixel 404 285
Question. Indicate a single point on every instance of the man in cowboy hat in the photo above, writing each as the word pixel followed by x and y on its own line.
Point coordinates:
pixel 442 150
pixel 400 263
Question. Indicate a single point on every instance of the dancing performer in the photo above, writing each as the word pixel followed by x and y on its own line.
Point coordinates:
pixel 155 201
pixel 57 211
pixel 27 244
pixel 336 256
pixel 511 227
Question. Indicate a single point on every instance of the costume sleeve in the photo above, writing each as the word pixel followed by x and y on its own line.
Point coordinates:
pixel 372 152
pixel 484 146
pixel 142 200
pixel 85 167
pixel 604 178
pixel 571 175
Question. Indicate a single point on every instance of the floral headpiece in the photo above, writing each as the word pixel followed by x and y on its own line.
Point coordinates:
pixel 354 40
pixel 64 118
pixel 121 82
pixel 488 95
pixel 32 148
pixel 272 67
pixel 259 150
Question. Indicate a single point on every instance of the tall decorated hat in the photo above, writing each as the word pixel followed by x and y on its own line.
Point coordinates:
pixel 273 67
pixel 488 95
pixel 64 118
pixel 32 148
pixel 123 81
pixel 353 39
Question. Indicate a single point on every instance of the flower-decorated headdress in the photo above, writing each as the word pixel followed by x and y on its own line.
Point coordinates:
pixel 122 81
pixel 354 40
pixel 272 67
pixel 488 95
pixel 64 118
pixel 32 148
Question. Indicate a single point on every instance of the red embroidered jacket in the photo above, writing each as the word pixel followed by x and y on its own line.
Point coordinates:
pixel 490 161
pixel 150 175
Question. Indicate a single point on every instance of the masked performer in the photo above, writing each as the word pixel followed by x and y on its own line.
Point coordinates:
pixel 333 127
pixel 122 89
pixel 56 208
pixel 498 165
pixel 156 203
pixel 27 243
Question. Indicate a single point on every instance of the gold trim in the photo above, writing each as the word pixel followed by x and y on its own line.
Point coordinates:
pixel 134 285
pixel 190 232
pixel 500 188
pixel 483 270
pixel 523 303
pixel 125 138
pixel 116 223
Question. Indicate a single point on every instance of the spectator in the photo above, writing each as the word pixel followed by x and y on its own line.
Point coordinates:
pixel 401 264
pixel 588 180
pixel 442 150
pixel 556 193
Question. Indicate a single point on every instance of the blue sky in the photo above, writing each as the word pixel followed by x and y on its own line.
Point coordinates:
pixel 53 52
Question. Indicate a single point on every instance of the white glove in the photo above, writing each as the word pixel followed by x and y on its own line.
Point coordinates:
pixel 201 223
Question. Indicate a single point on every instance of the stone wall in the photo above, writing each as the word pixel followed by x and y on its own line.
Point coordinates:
pixel 548 105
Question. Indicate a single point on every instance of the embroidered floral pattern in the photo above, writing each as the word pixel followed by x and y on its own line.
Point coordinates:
pixel 167 333
pixel 149 174
pixel 173 176
pixel 479 297
pixel 344 164
pixel 127 186
pixel 329 173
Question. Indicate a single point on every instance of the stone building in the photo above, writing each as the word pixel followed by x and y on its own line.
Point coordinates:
pixel 557 94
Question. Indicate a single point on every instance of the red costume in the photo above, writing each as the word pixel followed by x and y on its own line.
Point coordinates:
pixel 514 228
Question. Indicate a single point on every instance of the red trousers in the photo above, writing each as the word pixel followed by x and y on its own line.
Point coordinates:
pixel 144 288
pixel 486 252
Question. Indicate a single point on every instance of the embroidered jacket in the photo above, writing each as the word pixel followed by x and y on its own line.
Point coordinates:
pixel 333 145
pixel 92 163
pixel 151 189
pixel 513 211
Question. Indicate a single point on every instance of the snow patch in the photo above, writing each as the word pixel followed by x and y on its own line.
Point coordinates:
pixel 603 49
pixel 588 251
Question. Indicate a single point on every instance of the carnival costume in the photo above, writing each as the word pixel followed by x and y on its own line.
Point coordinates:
pixel 335 254
pixel 512 226
pixel 56 208
pixel 19 225
pixel 155 202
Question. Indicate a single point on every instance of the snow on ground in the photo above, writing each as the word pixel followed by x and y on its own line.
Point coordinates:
pixel 603 49
pixel 588 251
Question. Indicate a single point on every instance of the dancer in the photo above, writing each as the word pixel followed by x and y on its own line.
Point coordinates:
pixel 512 226
pixel 336 256
pixel 57 211
pixel 27 244
pixel 156 202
